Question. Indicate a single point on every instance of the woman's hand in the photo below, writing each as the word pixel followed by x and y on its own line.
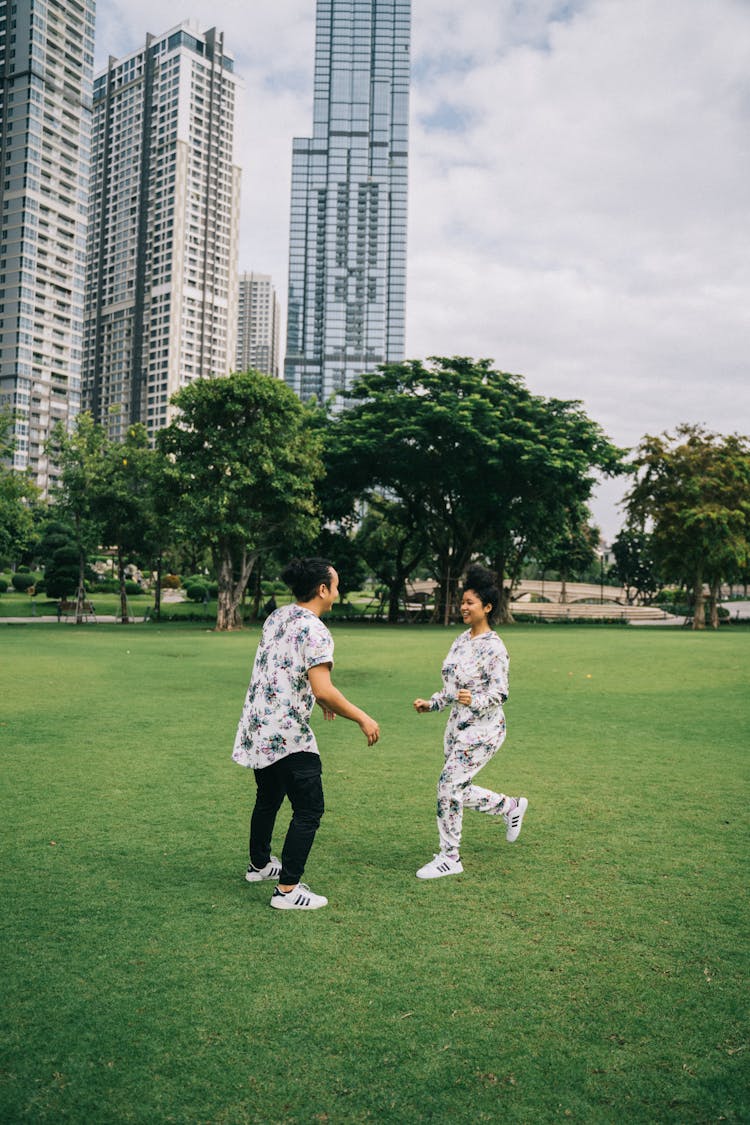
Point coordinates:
pixel 464 697
pixel 421 705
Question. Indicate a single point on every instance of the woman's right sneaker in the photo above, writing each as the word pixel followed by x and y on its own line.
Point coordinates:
pixel 514 818
pixel 299 898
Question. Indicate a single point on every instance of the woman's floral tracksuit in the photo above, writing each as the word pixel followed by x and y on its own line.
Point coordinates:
pixel 473 734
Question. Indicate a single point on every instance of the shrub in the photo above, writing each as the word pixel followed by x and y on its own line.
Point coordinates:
pixel 133 588
pixel 3 585
pixel 40 586
pixel 23 569
pixel 196 591
pixel 22 581
pixel 171 582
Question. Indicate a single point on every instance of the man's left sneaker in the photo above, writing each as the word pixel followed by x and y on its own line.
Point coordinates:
pixel 514 819
pixel 272 870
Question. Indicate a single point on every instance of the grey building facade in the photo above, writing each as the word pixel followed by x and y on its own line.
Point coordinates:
pixel 347 249
pixel 46 69
pixel 161 297
pixel 258 321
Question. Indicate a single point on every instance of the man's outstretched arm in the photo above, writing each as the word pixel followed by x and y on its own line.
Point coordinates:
pixel 331 699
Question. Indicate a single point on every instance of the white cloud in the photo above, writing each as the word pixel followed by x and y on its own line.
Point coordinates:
pixel 578 187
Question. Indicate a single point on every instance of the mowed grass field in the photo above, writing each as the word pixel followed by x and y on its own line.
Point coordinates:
pixel 595 971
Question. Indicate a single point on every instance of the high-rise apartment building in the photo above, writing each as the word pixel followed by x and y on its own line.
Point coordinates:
pixel 161 301
pixel 347 252
pixel 258 317
pixel 46 68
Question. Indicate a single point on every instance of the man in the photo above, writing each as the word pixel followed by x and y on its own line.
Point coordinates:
pixel 292 672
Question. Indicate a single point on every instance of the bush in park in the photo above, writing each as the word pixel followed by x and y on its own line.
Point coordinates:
pixel 22 582
pixel 133 588
pixel 23 569
pixel 3 585
pixel 197 591
pixel 171 582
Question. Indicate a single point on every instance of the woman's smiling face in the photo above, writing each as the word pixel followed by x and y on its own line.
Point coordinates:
pixel 472 610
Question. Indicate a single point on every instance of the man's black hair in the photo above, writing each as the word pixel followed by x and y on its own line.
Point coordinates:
pixel 304 577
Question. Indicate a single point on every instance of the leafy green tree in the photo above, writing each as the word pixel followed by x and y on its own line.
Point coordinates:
pixel 393 543
pixel 81 459
pixel 123 502
pixel 489 467
pixel 243 459
pixel 693 489
pixel 572 548
pixel 635 567
pixel 57 553
pixel 19 498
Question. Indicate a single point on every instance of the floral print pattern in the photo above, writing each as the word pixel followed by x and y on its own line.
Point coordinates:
pixel 275 718
pixel 473 734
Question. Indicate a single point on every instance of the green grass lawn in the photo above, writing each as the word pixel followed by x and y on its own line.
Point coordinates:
pixel 595 971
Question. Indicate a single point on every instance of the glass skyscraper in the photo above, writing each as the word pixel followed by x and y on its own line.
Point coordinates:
pixel 347 250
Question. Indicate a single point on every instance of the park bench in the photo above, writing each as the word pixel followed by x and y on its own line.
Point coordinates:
pixel 66 608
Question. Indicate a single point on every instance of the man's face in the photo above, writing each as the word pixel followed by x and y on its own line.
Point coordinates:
pixel 331 592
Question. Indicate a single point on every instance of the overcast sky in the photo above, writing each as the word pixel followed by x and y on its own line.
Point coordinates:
pixel 579 204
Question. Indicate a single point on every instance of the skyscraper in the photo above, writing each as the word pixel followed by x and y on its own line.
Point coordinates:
pixel 46 67
pixel 347 251
pixel 162 255
pixel 258 315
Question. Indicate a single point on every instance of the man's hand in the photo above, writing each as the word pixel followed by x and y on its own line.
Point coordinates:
pixel 421 705
pixel 370 729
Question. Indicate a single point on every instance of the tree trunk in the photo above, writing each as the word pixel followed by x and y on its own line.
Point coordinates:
pixel 157 588
pixel 395 590
pixel 81 591
pixel 228 614
pixel 124 616
pixel 714 604
pixel 504 614
pixel 699 612
pixel 563 590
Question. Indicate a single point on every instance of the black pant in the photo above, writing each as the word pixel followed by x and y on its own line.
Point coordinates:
pixel 298 777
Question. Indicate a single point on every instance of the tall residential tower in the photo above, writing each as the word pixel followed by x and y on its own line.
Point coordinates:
pixel 347 251
pixel 46 67
pixel 258 317
pixel 161 301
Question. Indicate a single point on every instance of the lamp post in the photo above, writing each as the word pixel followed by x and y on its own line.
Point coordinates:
pixel 601 577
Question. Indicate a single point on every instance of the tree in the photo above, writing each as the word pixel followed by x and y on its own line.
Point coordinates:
pixel 57 552
pixel 572 548
pixel 243 458
pixel 123 502
pixel 80 457
pixel 393 544
pixel 489 467
pixel 693 489
pixel 635 566
pixel 18 498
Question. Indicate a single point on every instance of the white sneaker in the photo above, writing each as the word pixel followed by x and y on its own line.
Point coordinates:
pixel 299 898
pixel 272 870
pixel 514 819
pixel 440 865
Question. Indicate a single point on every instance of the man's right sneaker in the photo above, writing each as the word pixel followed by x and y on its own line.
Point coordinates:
pixel 514 819
pixel 440 865
pixel 299 898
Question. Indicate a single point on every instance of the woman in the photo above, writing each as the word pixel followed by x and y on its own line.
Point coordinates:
pixel 475 685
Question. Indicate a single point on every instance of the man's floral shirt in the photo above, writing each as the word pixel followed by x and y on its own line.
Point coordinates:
pixel 275 719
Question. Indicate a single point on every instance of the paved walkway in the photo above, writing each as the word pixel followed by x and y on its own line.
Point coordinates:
pixel 102 619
